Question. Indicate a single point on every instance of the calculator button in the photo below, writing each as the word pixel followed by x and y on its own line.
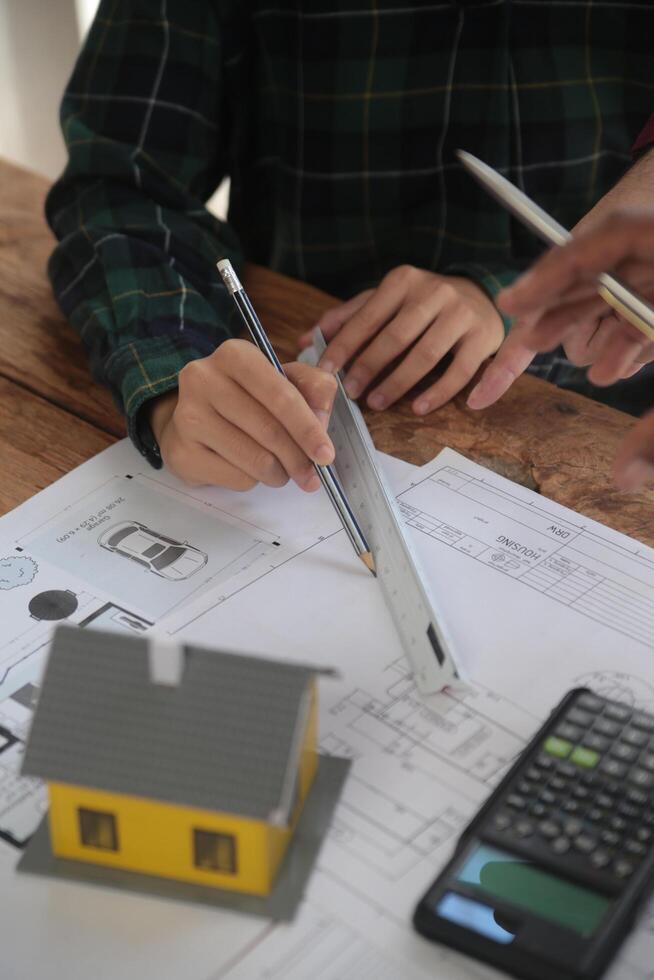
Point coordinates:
pixel 524 828
pixel 581 793
pixel 603 726
pixel 570 733
pixel 598 743
pixel 645 780
pixel 628 810
pixel 502 821
pixel 571 806
pixel 557 784
pixel 637 797
pixel 590 703
pixel 544 761
pixel 617 823
pixel 516 802
pixel 595 815
pixel 567 770
pixel 548 829
pixel 537 810
pixel 558 747
pixel 643 835
pixel 626 753
pixel 584 757
pixel 524 787
pixel 589 779
pixel 617 712
pixel 547 797
pixel 633 737
pixel 643 721
pixel 614 768
pixel 534 774
pixel 647 761
pixel 578 717
pixel 560 845
pixel 572 827
pixel 635 848
pixel 602 800
pixel 585 843
pixel 600 858
pixel 612 786
pixel 623 868
pixel 610 838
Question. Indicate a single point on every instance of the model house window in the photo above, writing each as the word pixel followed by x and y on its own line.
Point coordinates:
pixel 97 829
pixel 214 852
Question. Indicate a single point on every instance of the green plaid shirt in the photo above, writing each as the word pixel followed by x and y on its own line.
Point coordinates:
pixel 337 121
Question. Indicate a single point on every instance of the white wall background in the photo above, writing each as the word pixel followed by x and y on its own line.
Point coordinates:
pixel 39 41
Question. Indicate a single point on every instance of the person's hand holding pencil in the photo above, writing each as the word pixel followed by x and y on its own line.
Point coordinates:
pixel 235 421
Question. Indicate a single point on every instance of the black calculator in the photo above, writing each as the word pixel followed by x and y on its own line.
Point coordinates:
pixel 547 879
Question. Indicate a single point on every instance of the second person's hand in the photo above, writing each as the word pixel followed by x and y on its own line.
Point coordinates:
pixel 235 421
pixel 556 302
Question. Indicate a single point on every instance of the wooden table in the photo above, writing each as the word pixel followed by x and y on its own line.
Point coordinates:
pixel 53 416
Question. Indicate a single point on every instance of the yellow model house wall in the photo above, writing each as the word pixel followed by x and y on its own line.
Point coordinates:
pixel 157 838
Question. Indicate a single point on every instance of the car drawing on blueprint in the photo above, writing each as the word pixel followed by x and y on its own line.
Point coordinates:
pixel 171 559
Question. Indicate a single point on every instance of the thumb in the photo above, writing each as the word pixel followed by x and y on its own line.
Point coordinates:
pixel 317 386
pixel 635 460
pixel 513 357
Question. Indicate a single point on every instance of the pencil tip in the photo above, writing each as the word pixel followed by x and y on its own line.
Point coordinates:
pixel 369 562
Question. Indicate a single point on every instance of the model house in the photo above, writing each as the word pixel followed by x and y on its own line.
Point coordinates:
pixel 173 761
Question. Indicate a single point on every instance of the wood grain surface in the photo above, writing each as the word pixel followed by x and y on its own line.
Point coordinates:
pixel 39 443
pixel 555 442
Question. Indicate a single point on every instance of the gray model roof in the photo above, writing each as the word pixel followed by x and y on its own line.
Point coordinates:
pixel 220 740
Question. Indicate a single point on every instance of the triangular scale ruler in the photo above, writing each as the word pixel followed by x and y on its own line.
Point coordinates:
pixel 419 624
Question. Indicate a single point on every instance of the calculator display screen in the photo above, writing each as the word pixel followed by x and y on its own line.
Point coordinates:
pixel 526 886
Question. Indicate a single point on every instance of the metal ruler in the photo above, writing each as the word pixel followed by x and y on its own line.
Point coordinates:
pixel 420 625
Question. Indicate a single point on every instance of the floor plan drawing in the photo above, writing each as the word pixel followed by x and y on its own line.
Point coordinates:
pixel 531 591
pixel 564 561
pixel 23 801
pixel 108 538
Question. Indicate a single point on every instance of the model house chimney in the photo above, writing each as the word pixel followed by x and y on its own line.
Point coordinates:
pixel 166 659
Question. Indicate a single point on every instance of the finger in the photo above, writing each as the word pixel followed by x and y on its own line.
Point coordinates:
pixel 590 252
pixel 255 440
pixel 317 386
pixel 251 370
pixel 511 360
pixel 619 353
pixel 459 373
pixel 380 307
pixel 333 319
pixel 647 354
pixel 412 321
pixel 629 372
pixel 432 347
pixel 577 343
pixel 635 460
pixel 200 466
pixel 561 323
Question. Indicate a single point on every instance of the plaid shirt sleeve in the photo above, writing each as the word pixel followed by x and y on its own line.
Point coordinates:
pixel 134 270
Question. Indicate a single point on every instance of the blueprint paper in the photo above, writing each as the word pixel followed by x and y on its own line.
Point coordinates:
pixel 533 588
pixel 536 604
